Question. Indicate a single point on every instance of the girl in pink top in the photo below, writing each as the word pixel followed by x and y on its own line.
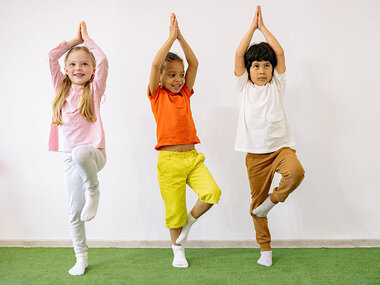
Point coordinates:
pixel 77 131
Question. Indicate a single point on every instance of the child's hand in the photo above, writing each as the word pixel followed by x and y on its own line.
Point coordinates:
pixel 260 23
pixel 179 35
pixel 78 39
pixel 173 28
pixel 84 33
pixel 255 18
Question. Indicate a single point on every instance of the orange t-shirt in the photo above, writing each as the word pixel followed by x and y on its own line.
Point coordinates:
pixel 175 125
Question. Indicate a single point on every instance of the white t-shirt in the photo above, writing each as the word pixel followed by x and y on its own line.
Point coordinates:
pixel 263 126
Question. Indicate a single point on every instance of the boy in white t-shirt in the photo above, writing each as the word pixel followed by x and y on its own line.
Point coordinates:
pixel 263 130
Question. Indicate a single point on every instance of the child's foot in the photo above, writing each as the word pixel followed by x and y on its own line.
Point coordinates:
pixel 182 239
pixel 91 206
pixel 263 209
pixel 80 266
pixel 179 259
pixel 265 258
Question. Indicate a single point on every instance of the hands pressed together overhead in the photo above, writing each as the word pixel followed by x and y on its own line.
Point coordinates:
pixel 174 31
pixel 257 22
pixel 81 36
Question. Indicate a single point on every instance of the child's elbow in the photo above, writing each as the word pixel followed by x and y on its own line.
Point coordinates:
pixel 195 63
pixel 280 52
pixel 156 65
pixel 104 62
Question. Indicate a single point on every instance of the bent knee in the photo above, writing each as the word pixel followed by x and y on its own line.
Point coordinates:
pixel 211 197
pixel 80 154
pixel 296 176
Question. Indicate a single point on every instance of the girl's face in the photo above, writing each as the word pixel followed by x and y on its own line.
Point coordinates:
pixel 261 72
pixel 172 77
pixel 79 67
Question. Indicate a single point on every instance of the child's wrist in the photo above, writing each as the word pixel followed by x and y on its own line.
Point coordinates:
pixel 73 43
pixel 172 39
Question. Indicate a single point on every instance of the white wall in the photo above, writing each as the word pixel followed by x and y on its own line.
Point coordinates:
pixel 332 103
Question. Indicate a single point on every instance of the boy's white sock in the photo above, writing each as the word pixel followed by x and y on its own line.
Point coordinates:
pixel 80 266
pixel 182 239
pixel 179 259
pixel 91 206
pixel 265 258
pixel 263 209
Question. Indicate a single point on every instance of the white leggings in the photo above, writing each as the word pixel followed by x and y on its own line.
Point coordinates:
pixel 81 168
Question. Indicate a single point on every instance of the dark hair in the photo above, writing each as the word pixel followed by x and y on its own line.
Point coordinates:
pixel 171 56
pixel 259 52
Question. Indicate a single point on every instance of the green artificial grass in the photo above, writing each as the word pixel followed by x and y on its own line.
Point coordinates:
pixel 207 266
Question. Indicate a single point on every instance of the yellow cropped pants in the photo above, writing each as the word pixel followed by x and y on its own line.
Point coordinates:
pixel 175 170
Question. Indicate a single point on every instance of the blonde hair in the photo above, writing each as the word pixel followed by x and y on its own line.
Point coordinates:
pixel 63 92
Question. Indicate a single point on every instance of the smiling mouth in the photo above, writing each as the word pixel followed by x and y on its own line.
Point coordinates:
pixel 177 86
pixel 79 75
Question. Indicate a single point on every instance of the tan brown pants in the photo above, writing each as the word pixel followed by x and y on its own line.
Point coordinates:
pixel 261 169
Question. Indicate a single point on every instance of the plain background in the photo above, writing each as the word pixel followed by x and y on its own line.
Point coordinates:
pixel 332 103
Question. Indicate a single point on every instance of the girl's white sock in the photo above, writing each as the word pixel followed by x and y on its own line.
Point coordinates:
pixel 179 259
pixel 80 266
pixel 182 239
pixel 91 206
pixel 263 209
pixel 265 258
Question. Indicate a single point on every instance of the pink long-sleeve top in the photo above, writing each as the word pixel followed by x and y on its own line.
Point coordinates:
pixel 76 130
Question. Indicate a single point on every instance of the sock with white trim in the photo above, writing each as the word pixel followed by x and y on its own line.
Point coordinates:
pixel 80 266
pixel 265 258
pixel 182 239
pixel 91 206
pixel 263 209
pixel 179 259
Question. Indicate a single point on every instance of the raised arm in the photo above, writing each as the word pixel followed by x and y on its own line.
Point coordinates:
pixel 243 45
pixel 159 59
pixel 55 54
pixel 191 59
pixel 272 41
pixel 101 69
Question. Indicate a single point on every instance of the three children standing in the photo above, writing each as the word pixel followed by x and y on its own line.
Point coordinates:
pixel 263 132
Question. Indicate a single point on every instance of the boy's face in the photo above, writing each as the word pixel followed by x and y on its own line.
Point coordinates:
pixel 172 77
pixel 261 72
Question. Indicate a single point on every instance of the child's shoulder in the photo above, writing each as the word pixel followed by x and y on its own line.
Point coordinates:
pixel 276 74
pixel 242 80
pixel 244 75
pixel 185 90
pixel 162 92
pixel 278 79
pixel 156 93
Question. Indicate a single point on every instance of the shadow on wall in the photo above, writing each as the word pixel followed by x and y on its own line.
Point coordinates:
pixel 227 166
pixel 321 207
pixel 149 191
pixel 11 203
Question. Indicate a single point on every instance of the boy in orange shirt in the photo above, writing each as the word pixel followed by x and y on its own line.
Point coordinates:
pixel 169 91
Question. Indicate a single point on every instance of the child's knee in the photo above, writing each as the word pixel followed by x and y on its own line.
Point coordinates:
pixel 74 217
pixel 296 176
pixel 212 196
pixel 175 207
pixel 176 218
pixel 80 154
pixel 293 180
